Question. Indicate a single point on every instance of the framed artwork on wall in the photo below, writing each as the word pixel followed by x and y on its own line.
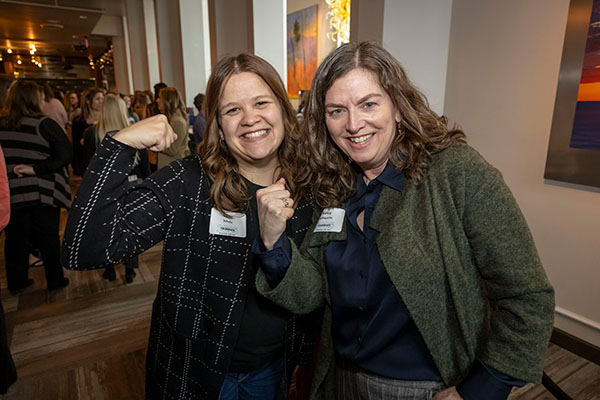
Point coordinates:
pixel 301 50
pixel 574 148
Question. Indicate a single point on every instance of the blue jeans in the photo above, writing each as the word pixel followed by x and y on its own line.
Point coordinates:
pixel 262 384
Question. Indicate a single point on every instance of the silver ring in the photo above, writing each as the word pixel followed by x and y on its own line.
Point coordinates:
pixel 286 204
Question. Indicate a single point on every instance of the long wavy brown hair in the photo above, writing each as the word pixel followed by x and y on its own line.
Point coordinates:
pixel 327 170
pixel 229 192
pixel 171 103
pixel 87 98
pixel 24 99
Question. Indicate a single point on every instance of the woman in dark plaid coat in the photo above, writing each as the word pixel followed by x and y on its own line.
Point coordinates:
pixel 212 336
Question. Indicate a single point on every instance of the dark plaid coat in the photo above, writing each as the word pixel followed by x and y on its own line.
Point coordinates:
pixel 204 278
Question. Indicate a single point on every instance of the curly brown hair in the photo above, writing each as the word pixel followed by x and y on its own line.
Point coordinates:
pixel 228 191
pixel 328 172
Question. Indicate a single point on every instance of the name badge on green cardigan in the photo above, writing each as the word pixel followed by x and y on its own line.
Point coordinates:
pixel 233 225
pixel 331 220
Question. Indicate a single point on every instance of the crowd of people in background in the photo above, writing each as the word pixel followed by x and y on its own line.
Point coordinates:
pixel 67 128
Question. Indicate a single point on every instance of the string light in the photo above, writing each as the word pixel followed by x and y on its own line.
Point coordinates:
pixel 103 60
pixel 9 51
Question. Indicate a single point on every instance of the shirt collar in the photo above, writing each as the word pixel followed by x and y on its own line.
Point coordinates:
pixel 391 176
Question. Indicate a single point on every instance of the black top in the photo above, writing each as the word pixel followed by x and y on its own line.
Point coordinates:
pixel 262 329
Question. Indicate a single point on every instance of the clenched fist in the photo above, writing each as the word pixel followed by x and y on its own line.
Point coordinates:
pixel 152 133
pixel 275 207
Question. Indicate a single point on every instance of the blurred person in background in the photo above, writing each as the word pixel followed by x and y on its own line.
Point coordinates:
pixel 91 105
pixel 53 108
pixel 37 153
pixel 170 104
pixel 152 109
pixel 199 124
pixel 140 101
pixel 71 103
pixel 7 365
pixel 131 115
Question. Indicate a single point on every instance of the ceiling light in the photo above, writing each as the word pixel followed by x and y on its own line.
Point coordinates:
pixel 19 62
pixel 9 51
pixel 83 17
pixel 52 26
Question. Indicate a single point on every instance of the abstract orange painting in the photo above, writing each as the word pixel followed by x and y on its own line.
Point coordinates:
pixel 301 50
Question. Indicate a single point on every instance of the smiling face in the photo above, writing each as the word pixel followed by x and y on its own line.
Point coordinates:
pixel 361 120
pixel 251 122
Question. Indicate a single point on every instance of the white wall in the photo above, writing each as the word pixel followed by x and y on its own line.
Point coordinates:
pixel 503 70
pixel 151 43
pixel 137 44
pixel 169 44
pixel 269 22
pixel 195 43
pixel 233 27
pixel 417 33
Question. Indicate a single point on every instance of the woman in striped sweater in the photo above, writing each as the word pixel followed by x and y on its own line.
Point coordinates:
pixel 37 153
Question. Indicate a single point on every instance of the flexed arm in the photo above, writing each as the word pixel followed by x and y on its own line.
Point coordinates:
pixel 107 224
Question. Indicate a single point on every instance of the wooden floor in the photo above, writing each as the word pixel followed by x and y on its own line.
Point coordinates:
pixel 88 341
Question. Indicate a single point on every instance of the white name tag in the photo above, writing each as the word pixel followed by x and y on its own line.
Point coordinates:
pixel 234 226
pixel 331 220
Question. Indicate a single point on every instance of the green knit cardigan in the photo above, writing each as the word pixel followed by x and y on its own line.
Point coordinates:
pixel 460 254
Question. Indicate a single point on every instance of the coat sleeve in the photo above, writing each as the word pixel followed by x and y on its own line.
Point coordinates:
pixel 522 299
pixel 61 152
pixel 302 288
pixel 109 224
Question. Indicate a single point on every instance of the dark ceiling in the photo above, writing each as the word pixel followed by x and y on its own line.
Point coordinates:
pixel 59 30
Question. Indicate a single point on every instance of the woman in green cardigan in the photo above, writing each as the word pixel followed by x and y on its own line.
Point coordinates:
pixel 171 105
pixel 430 279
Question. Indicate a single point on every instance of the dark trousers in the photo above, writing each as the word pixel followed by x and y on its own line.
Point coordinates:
pixel 38 227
